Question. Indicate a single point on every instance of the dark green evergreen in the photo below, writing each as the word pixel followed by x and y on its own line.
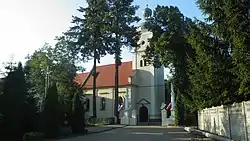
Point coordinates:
pixel 211 81
pixel 122 34
pixel 51 112
pixel 13 101
pixel 231 21
pixel 77 118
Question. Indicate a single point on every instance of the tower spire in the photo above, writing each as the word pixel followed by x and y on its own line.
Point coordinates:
pixel 147 12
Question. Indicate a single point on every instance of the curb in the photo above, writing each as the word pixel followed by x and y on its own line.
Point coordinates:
pixel 100 131
pixel 207 134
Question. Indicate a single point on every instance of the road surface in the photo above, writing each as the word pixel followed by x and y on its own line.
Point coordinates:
pixel 138 133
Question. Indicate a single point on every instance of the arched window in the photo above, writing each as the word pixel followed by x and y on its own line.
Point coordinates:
pixel 102 104
pixel 87 104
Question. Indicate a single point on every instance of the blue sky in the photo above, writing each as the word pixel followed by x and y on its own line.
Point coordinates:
pixel 188 7
pixel 27 24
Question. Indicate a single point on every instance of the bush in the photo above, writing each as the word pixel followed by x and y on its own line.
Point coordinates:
pixel 33 136
pixel 78 118
pixel 99 121
pixel 51 117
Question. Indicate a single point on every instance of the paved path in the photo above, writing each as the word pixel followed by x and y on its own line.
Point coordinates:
pixel 138 133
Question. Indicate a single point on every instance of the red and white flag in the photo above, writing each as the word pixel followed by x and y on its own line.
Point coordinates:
pixel 120 107
pixel 169 107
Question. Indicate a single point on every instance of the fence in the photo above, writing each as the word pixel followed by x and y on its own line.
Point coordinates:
pixel 230 121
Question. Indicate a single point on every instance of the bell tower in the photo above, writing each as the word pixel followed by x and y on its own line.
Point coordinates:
pixel 147 14
pixel 149 81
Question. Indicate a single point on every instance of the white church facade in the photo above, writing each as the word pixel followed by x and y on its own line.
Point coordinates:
pixel 141 87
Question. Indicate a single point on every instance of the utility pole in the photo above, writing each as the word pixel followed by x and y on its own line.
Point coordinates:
pixel 46 85
pixel 116 87
pixel 94 84
pixel 117 61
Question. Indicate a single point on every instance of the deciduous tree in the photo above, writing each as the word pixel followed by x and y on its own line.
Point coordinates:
pixel 169 47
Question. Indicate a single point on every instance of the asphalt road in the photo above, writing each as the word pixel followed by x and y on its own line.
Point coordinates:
pixel 138 133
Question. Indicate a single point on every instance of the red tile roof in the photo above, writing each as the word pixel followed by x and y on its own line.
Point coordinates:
pixel 106 77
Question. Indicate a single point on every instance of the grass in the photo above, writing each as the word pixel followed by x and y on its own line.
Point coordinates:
pixel 95 124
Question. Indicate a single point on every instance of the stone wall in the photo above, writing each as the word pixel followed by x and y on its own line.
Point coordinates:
pixel 231 121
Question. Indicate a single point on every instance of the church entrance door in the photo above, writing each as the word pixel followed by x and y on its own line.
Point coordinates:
pixel 143 114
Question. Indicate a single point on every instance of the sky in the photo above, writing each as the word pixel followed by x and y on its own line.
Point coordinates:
pixel 27 24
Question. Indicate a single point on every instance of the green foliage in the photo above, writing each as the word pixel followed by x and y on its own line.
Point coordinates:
pixel 36 68
pixel 209 62
pixel 89 33
pixel 104 28
pixel 121 17
pixel 13 104
pixel 55 66
pixel 51 112
pixel 60 64
pixel 231 21
pixel 78 116
pixel 211 81
pixel 170 48
pixel 65 61
pixel 104 25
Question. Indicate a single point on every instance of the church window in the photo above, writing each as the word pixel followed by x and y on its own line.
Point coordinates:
pixel 141 63
pixel 103 104
pixel 87 103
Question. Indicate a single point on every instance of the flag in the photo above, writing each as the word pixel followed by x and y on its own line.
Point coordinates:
pixel 120 107
pixel 169 107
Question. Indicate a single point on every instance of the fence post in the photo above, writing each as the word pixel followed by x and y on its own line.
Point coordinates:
pixel 218 121
pixel 203 121
pixel 245 121
pixel 229 122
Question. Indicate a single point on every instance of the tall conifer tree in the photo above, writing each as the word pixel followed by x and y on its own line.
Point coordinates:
pixel 232 21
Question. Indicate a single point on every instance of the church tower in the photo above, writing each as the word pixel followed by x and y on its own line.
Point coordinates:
pixel 149 85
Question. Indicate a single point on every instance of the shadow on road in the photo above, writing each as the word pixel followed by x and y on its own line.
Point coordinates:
pixel 140 133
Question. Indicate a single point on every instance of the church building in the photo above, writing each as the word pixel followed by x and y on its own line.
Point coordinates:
pixel 141 85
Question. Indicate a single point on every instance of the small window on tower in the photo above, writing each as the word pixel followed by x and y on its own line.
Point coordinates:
pixel 143 42
pixel 141 63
